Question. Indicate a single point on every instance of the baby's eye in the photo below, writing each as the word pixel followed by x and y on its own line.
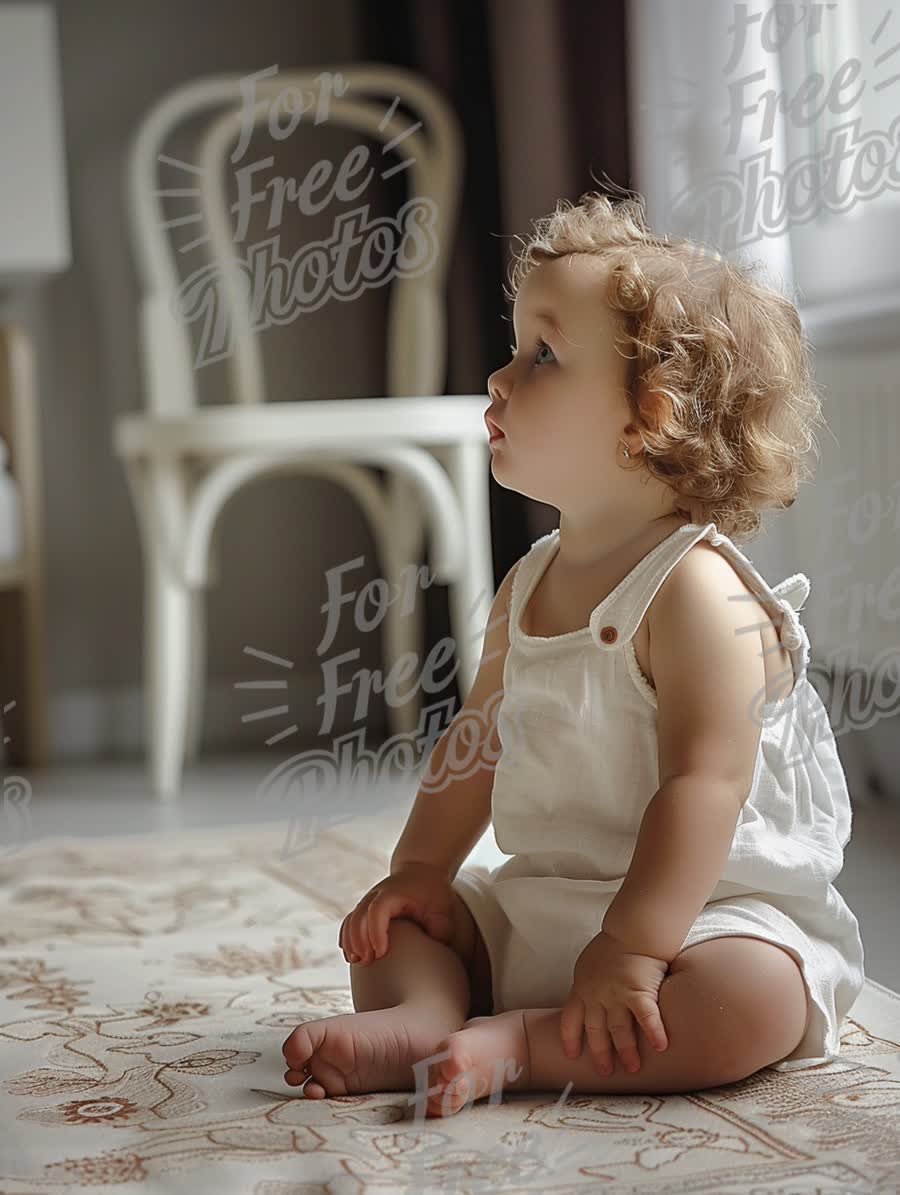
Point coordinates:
pixel 542 344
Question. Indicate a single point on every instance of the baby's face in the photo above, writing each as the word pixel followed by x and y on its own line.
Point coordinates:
pixel 561 399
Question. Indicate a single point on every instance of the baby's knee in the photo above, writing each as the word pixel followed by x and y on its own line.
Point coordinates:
pixel 735 1016
pixel 402 929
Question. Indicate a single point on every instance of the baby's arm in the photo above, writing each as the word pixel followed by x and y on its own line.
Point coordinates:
pixel 709 672
pixel 453 807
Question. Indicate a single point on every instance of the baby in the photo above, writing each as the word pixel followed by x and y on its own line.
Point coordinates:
pixel 660 769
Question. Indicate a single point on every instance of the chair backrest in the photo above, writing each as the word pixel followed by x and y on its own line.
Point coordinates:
pixel 221 296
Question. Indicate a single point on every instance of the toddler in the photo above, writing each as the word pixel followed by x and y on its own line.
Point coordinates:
pixel 654 758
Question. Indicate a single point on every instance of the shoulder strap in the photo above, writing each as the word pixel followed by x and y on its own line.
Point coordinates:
pixel 532 562
pixel 615 620
pixel 794 588
pixel 618 616
pixel 788 595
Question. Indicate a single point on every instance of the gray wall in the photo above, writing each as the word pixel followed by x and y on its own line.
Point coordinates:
pixel 279 536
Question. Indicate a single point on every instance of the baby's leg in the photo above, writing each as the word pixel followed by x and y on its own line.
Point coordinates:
pixel 417 971
pixel 730 1006
pixel 406 1003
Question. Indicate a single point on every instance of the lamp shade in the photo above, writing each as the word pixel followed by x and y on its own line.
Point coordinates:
pixel 34 216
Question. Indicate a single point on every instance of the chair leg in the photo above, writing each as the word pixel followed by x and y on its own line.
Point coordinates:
pixel 197 681
pixel 36 676
pixel 472 593
pixel 167 670
pixel 403 636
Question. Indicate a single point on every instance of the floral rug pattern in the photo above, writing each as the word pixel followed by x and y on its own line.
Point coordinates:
pixel 146 986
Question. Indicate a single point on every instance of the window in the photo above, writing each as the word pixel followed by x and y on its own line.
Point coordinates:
pixel 851 245
pixel 866 31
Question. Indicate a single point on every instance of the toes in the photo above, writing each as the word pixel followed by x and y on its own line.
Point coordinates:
pixel 298 1048
pixel 311 1048
pixel 454 1095
pixel 312 1090
pixel 457 1080
pixel 330 1077
pixel 459 1061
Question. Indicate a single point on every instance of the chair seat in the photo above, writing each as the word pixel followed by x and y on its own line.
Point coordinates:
pixel 274 427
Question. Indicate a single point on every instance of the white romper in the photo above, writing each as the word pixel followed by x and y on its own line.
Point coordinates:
pixel 579 765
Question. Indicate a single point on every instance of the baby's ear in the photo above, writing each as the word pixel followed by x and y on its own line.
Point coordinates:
pixel 655 409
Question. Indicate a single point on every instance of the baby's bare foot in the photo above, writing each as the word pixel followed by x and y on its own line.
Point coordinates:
pixel 487 1055
pixel 362 1051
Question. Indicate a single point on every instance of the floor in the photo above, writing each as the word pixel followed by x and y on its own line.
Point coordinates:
pixel 232 790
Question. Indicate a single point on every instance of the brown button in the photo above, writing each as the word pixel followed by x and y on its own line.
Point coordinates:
pixel 609 634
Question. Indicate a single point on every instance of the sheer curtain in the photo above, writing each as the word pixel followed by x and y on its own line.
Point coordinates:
pixel 721 161
pixel 700 160
pixel 705 165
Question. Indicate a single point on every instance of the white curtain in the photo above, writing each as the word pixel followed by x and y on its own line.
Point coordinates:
pixel 695 157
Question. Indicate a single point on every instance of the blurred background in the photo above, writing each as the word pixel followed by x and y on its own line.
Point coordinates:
pixel 717 121
pixel 254 262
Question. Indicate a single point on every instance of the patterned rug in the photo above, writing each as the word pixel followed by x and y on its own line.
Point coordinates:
pixel 146 986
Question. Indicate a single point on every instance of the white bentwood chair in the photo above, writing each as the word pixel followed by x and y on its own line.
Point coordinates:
pixel 184 460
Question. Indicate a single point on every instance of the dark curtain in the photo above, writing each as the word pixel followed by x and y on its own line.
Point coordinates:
pixel 539 87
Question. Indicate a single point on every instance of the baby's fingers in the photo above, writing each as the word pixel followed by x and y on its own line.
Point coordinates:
pixel 356 944
pixel 370 932
pixel 377 921
pixel 649 1019
pixel 345 937
pixel 621 1029
pixel 571 1026
pixel 599 1037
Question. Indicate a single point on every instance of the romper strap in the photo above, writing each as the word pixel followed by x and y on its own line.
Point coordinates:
pixel 617 618
pixel 528 565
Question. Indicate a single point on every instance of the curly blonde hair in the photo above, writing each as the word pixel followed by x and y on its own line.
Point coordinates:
pixel 729 408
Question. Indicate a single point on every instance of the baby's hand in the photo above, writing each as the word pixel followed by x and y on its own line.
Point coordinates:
pixel 418 891
pixel 612 989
